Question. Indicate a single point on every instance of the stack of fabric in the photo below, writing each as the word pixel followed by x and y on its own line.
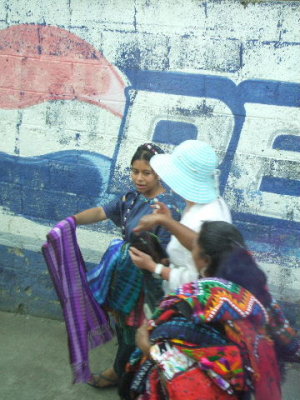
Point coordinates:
pixel 212 336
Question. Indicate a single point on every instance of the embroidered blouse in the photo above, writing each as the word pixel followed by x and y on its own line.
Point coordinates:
pixel 127 210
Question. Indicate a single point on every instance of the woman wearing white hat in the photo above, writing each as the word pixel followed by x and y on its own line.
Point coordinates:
pixel 191 172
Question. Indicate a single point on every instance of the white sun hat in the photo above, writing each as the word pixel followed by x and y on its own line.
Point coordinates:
pixel 190 171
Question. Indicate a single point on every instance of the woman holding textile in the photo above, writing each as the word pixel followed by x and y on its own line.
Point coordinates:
pixel 220 337
pixel 116 271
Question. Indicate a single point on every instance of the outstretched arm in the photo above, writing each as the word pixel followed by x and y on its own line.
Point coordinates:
pixel 90 216
pixel 162 216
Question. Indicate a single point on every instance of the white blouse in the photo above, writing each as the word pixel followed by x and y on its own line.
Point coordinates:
pixel 183 269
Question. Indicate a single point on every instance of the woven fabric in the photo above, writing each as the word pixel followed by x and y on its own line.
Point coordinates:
pixel 196 385
pixel 208 346
pixel 126 284
pixel 138 385
pixel 244 319
pixel 116 282
pixel 99 278
pixel 223 364
pixel 285 336
pixel 86 322
pixel 217 300
pixel 137 315
pixel 245 361
pixel 258 352
pixel 182 329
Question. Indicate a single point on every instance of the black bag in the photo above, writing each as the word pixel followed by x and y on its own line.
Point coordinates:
pixel 149 243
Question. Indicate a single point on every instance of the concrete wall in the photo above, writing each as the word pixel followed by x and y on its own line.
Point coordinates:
pixel 82 83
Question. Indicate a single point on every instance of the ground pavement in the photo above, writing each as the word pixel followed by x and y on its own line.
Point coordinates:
pixel 34 363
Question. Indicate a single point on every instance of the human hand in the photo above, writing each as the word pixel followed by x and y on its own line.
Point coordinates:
pixel 142 338
pixel 142 260
pixel 160 214
pixel 147 222
pixel 162 209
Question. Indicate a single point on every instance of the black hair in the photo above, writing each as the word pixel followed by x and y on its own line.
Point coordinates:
pixel 145 152
pixel 230 259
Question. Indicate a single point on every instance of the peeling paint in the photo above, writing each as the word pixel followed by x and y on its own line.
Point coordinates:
pixel 28 291
pixel 72 115
pixel 16 251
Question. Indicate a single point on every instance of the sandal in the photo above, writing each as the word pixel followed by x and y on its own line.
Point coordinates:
pixel 95 381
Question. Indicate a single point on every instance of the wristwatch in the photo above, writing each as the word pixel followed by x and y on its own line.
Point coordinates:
pixel 157 272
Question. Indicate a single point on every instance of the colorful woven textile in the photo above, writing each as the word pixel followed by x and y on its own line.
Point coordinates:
pixel 99 278
pixel 86 323
pixel 285 336
pixel 126 284
pixel 243 361
pixel 223 364
pixel 183 329
pixel 116 282
pixel 196 385
pixel 244 319
pixel 217 300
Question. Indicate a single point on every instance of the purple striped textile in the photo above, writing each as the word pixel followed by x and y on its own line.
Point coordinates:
pixel 87 323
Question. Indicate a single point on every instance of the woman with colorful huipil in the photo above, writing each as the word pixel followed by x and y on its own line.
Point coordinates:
pixel 220 337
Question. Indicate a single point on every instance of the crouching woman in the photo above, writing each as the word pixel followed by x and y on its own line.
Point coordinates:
pixel 220 337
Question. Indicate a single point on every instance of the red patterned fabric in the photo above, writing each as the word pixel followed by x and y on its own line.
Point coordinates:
pixel 267 385
pixel 245 321
pixel 226 361
pixel 153 391
pixel 155 386
pixel 196 385
pixel 137 315
pixel 247 363
pixel 263 360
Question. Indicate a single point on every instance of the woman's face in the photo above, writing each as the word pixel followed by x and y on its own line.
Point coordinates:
pixel 144 178
pixel 200 258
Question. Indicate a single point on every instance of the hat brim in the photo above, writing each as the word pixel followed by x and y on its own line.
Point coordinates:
pixel 183 183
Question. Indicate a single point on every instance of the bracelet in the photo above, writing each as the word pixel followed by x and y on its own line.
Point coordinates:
pixel 157 272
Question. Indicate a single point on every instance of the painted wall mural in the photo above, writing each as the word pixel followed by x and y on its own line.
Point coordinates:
pixel 71 118
pixel 42 63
